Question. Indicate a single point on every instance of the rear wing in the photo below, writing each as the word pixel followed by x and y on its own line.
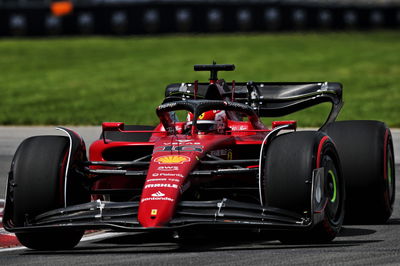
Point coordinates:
pixel 268 99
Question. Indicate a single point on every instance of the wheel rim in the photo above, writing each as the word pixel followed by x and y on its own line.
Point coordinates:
pixel 332 191
pixel 332 185
pixel 332 194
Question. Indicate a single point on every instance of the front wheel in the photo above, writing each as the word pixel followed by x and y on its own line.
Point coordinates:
pixel 36 185
pixel 290 162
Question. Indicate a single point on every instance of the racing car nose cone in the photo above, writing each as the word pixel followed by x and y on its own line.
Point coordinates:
pixel 155 216
pixel 172 161
pixel 157 205
pixel 163 187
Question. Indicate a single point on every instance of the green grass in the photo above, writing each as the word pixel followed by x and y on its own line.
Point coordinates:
pixel 84 81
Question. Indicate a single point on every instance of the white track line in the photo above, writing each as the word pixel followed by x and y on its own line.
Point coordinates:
pixel 11 249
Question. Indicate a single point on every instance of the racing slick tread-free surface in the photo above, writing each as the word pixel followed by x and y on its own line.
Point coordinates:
pixel 290 161
pixel 366 152
pixel 36 185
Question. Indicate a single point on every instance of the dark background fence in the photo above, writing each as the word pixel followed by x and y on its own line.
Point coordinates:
pixel 126 17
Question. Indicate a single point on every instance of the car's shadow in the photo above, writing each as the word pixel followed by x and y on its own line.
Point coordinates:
pixel 163 243
pixel 351 231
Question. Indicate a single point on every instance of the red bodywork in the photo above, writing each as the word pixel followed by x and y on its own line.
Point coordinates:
pixel 181 175
pixel 174 156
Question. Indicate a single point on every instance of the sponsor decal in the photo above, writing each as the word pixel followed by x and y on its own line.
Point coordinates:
pixel 157 198
pixel 158 194
pixel 180 141
pixel 154 212
pixel 219 152
pixel 182 148
pixel 156 179
pixel 163 180
pixel 166 106
pixel 224 152
pixel 168 168
pixel 167 174
pixel 171 159
pixel 185 141
pixel 161 185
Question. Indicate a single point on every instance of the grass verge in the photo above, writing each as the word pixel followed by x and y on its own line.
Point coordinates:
pixel 85 81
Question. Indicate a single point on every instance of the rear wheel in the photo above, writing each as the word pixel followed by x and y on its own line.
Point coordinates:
pixel 291 159
pixel 36 185
pixel 366 150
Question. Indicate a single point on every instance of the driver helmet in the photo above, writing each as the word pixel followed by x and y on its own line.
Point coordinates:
pixel 209 121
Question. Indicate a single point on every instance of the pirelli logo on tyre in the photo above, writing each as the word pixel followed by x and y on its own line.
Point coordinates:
pixel 171 159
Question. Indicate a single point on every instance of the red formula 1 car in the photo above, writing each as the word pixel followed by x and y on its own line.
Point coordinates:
pixel 217 167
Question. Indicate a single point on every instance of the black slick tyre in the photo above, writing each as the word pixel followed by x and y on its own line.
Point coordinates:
pixel 290 162
pixel 366 152
pixel 36 185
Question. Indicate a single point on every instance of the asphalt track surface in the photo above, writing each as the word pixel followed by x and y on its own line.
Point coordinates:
pixel 356 244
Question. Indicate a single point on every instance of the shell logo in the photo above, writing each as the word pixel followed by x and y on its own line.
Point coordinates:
pixel 169 159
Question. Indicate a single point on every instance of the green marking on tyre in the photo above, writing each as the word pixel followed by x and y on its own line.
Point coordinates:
pixel 332 175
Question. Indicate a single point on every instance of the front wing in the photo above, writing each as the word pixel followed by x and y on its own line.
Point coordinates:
pixel 122 216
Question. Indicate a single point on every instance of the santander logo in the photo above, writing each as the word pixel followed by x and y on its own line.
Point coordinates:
pixel 158 194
